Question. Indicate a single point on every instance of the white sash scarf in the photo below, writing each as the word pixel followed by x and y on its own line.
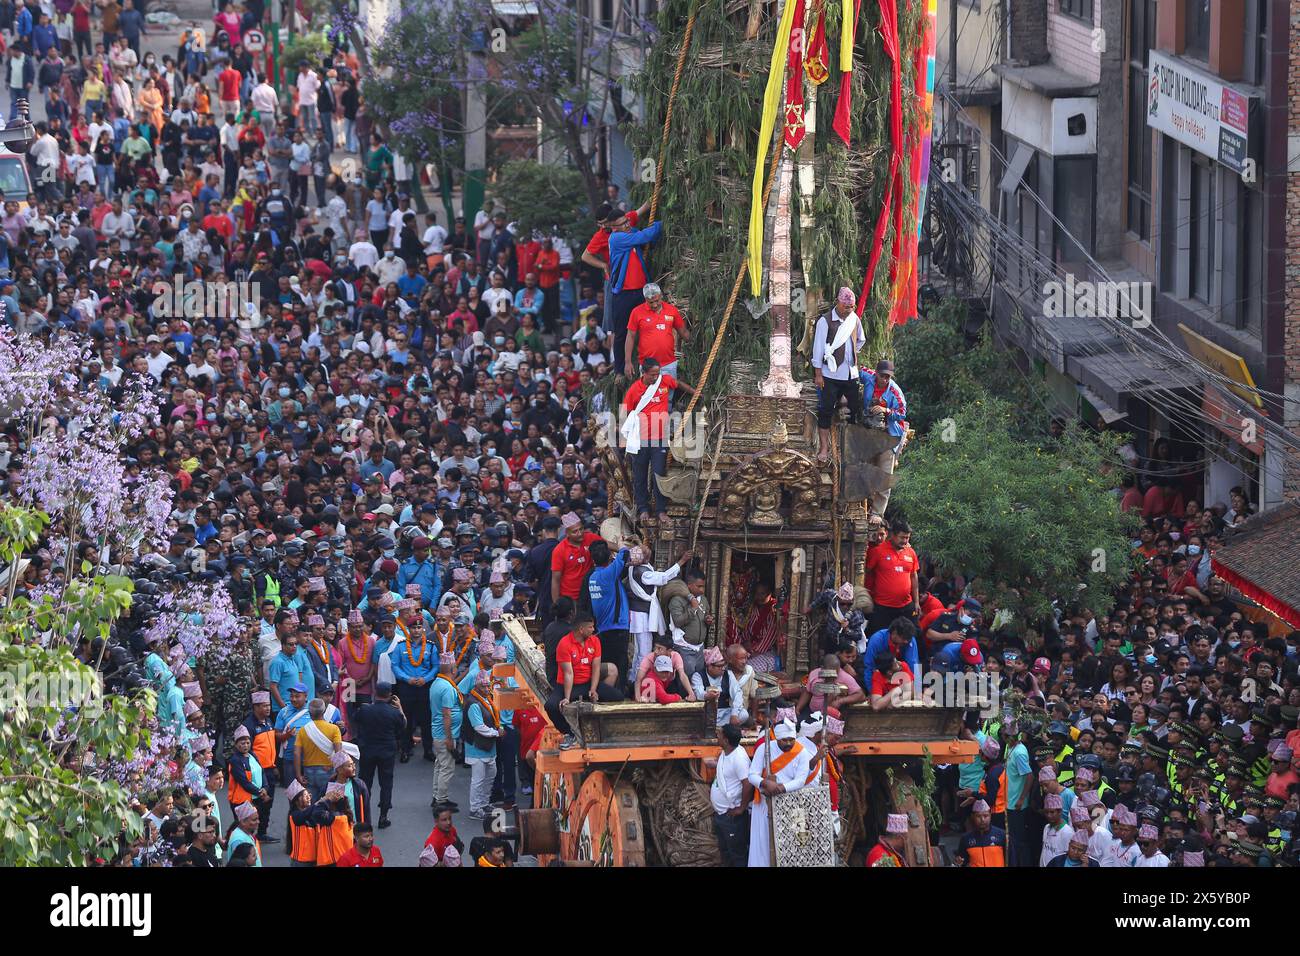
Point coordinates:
pixel 318 737
pixel 631 427
pixel 848 325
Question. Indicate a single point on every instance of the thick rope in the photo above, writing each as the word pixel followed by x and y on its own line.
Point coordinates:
pixel 735 291
pixel 668 116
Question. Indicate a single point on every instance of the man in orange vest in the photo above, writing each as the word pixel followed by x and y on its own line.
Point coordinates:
pixel 334 833
pixel 302 825
pixel 985 845
pixel 261 732
pixel 889 850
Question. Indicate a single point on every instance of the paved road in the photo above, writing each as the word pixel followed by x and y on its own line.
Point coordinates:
pixel 412 819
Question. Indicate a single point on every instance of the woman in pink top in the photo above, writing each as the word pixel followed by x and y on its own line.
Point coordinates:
pixel 663 646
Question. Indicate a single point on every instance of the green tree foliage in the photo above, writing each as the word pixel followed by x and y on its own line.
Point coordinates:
pixel 1031 518
pixel 709 164
pixel 62 742
pixel 541 196
pixel 309 48
pixel 530 70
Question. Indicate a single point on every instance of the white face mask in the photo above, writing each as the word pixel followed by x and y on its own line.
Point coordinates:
pixel 965 619
pixel 1193 550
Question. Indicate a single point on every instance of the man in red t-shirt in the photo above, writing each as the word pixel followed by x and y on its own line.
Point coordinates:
pixel 895 586
pixel 443 837
pixel 577 659
pixel 363 852
pixel 645 432
pixel 571 559
pixel 548 279
pixel 529 724
pixel 228 82
pixel 652 332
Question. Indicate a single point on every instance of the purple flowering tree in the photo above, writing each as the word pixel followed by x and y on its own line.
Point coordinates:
pixel 73 759
pixel 554 67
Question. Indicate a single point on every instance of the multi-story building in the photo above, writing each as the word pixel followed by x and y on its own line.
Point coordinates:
pixel 1141 149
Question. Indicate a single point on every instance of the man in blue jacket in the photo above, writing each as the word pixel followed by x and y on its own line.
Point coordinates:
pixel 419 569
pixel 609 605
pixel 898 639
pixel 627 275
pixel 884 406
pixel 415 665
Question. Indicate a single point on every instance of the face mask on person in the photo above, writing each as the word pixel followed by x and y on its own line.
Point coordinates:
pixel 426 399
pixel 1150 658
pixel 499 340
pixel 388 253
pixel 965 619
pixel 336 449
pixel 1193 550
pixel 301 423
pixel 284 393
pixel 391 552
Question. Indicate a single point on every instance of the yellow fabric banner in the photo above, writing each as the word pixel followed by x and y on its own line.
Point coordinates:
pixel 848 13
pixel 773 100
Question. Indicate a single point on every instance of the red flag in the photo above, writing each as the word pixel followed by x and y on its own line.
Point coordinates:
pixel 817 64
pixel 893 198
pixel 794 123
pixel 844 105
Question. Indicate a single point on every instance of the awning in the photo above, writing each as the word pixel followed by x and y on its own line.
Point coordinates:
pixel 1115 375
pixel 1108 414
pixel 1016 168
pixel 1260 561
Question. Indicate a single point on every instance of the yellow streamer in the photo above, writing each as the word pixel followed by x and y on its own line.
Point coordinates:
pixel 846 35
pixel 773 101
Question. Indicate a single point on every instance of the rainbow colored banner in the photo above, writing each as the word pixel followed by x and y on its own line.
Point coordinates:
pixel 905 279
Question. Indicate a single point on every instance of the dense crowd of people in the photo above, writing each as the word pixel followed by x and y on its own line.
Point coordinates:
pixel 381 439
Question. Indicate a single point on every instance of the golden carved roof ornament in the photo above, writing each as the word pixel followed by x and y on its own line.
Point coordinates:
pixel 781 434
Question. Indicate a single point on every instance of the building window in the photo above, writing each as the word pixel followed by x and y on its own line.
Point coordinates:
pixel 1256 42
pixel 1201 221
pixel 1074 201
pixel 1250 292
pixel 1142 25
pixel 1196 29
pixel 1078 9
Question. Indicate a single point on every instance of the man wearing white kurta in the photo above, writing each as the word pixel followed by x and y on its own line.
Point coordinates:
pixel 809 730
pixel 1149 841
pixel 780 766
pixel 645 618
pixel 836 342
pixel 1056 836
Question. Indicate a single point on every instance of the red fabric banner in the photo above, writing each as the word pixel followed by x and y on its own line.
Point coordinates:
pixel 844 104
pixel 893 197
pixel 794 123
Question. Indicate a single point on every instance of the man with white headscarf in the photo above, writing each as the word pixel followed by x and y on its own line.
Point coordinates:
pixel 810 737
pixel 645 616
pixel 836 343
pixel 461 596
pixel 779 766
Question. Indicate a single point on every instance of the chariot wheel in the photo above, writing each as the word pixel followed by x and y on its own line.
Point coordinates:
pixel 557 791
pixel 605 826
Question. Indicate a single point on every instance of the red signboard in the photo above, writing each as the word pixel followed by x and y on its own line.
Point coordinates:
pixel 1234 420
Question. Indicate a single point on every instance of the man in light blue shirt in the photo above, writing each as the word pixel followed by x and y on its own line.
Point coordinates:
pixel 288 668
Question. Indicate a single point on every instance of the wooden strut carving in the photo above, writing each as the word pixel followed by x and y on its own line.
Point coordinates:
pixel 781 466
pixel 681 814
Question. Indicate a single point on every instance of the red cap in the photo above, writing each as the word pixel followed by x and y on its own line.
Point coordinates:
pixel 970 651
pixel 1042 666
pixel 388 566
